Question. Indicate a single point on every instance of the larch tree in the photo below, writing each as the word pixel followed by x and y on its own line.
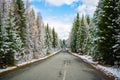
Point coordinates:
pixel 41 34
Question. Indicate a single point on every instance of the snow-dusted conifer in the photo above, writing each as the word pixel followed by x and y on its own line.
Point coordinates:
pixel 54 40
pixel 48 38
pixel 21 20
pixel 106 29
pixel 74 34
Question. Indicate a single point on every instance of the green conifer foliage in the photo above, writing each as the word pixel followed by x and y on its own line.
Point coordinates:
pixel 106 29
pixel 74 34
pixel 48 38
pixel 21 20
pixel 54 41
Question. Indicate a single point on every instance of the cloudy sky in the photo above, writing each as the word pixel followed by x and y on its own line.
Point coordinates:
pixel 60 13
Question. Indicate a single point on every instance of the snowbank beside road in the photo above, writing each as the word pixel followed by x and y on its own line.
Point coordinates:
pixel 28 62
pixel 110 71
pixel 107 70
pixel 9 68
pixel 88 59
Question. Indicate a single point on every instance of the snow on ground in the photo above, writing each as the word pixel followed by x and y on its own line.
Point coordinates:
pixel 108 70
pixel 24 63
pixel 9 68
pixel 88 59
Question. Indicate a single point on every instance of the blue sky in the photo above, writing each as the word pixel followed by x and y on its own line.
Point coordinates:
pixel 60 13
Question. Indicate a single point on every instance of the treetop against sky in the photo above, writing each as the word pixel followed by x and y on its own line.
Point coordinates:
pixel 60 13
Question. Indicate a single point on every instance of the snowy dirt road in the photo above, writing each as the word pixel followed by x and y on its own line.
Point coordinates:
pixel 62 66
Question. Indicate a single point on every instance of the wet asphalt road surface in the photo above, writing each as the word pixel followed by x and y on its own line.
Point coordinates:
pixel 62 66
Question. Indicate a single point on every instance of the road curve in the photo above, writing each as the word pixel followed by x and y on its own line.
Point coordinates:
pixel 62 66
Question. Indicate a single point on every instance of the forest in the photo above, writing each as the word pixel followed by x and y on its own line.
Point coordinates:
pixel 23 34
pixel 98 36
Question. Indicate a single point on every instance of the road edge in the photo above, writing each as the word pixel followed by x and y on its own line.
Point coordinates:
pixel 28 64
pixel 94 66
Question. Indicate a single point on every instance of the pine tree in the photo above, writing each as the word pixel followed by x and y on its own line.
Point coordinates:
pixel 117 34
pixel 73 40
pixel 21 20
pixel 64 44
pixel 75 34
pixel 1 39
pixel 4 35
pixel 48 38
pixel 87 34
pixel 54 36
pixel 91 47
pixel 9 56
pixel 16 43
pixel 106 26
pixel 82 35
pixel 12 42
pixel 88 19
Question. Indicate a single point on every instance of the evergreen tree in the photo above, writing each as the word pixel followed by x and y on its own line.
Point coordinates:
pixel 64 44
pixel 1 39
pixel 91 40
pixel 14 42
pixel 86 45
pixel 48 38
pixel 4 35
pixel 54 41
pixel 73 40
pixel 81 35
pixel 75 34
pixel 106 29
pixel 116 46
pixel 88 19
pixel 21 20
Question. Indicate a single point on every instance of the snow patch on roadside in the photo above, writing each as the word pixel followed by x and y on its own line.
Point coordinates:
pixel 107 70
pixel 28 62
pixel 9 68
pixel 88 59
pixel 110 70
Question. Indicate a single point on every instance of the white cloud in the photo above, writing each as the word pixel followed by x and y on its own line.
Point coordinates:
pixel 88 6
pixel 62 27
pixel 82 8
pixel 90 2
pixel 60 2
